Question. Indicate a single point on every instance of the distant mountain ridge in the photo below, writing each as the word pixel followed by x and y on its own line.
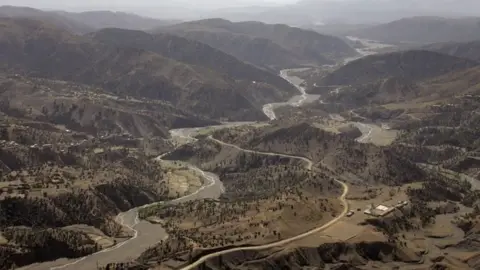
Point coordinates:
pixel 109 19
pixel 50 17
pixel 273 47
pixel 311 12
pixel 468 50
pixel 191 52
pixel 422 30
pixel 85 22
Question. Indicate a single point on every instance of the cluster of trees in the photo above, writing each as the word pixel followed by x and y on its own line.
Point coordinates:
pixel 38 245
pixel 426 154
pixel 437 187
pixel 255 185
pixel 455 124
pixel 174 245
pixel 414 217
pixel 117 181
pixel 372 163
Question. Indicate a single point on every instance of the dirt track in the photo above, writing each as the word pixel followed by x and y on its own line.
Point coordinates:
pixel 147 234
pixel 285 241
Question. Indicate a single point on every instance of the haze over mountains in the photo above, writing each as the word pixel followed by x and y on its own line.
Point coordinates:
pixel 120 71
pixel 278 11
pixel 270 46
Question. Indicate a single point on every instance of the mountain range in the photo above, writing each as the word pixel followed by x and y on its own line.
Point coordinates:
pixel 422 30
pixel 315 12
pixel 273 47
pixel 84 22
pixel 36 49
pixel 412 65
pixel 398 77
pixel 469 50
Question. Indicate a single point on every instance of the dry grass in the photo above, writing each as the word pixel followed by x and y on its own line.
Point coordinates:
pixel 258 223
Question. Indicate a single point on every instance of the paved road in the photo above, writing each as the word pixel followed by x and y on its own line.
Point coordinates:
pixel 342 198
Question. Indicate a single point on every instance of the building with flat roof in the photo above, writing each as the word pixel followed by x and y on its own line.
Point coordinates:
pixel 382 210
pixel 378 211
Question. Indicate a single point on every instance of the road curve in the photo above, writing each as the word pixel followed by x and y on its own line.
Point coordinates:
pixel 342 198
pixel 308 161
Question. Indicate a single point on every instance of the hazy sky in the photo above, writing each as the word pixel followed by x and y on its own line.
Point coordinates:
pixel 75 4
pixel 344 11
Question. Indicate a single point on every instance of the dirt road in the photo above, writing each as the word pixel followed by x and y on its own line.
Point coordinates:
pixel 342 198
pixel 146 234
pixel 308 161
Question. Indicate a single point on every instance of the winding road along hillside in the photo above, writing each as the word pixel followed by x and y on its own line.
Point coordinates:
pixel 309 166
pixel 146 234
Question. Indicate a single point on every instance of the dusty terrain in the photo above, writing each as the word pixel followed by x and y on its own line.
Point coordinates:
pixel 374 164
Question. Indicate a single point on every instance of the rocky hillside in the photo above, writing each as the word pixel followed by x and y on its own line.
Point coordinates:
pixel 410 65
pixel 403 92
pixel 58 193
pixel 88 109
pixel 468 50
pixel 28 48
pixel 270 85
pixel 273 47
pixel 339 152
pixel 422 30
pixel 326 256
pixel 389 90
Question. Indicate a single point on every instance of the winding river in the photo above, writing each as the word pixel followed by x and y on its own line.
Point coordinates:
pixel 296 101
pixel 146 234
